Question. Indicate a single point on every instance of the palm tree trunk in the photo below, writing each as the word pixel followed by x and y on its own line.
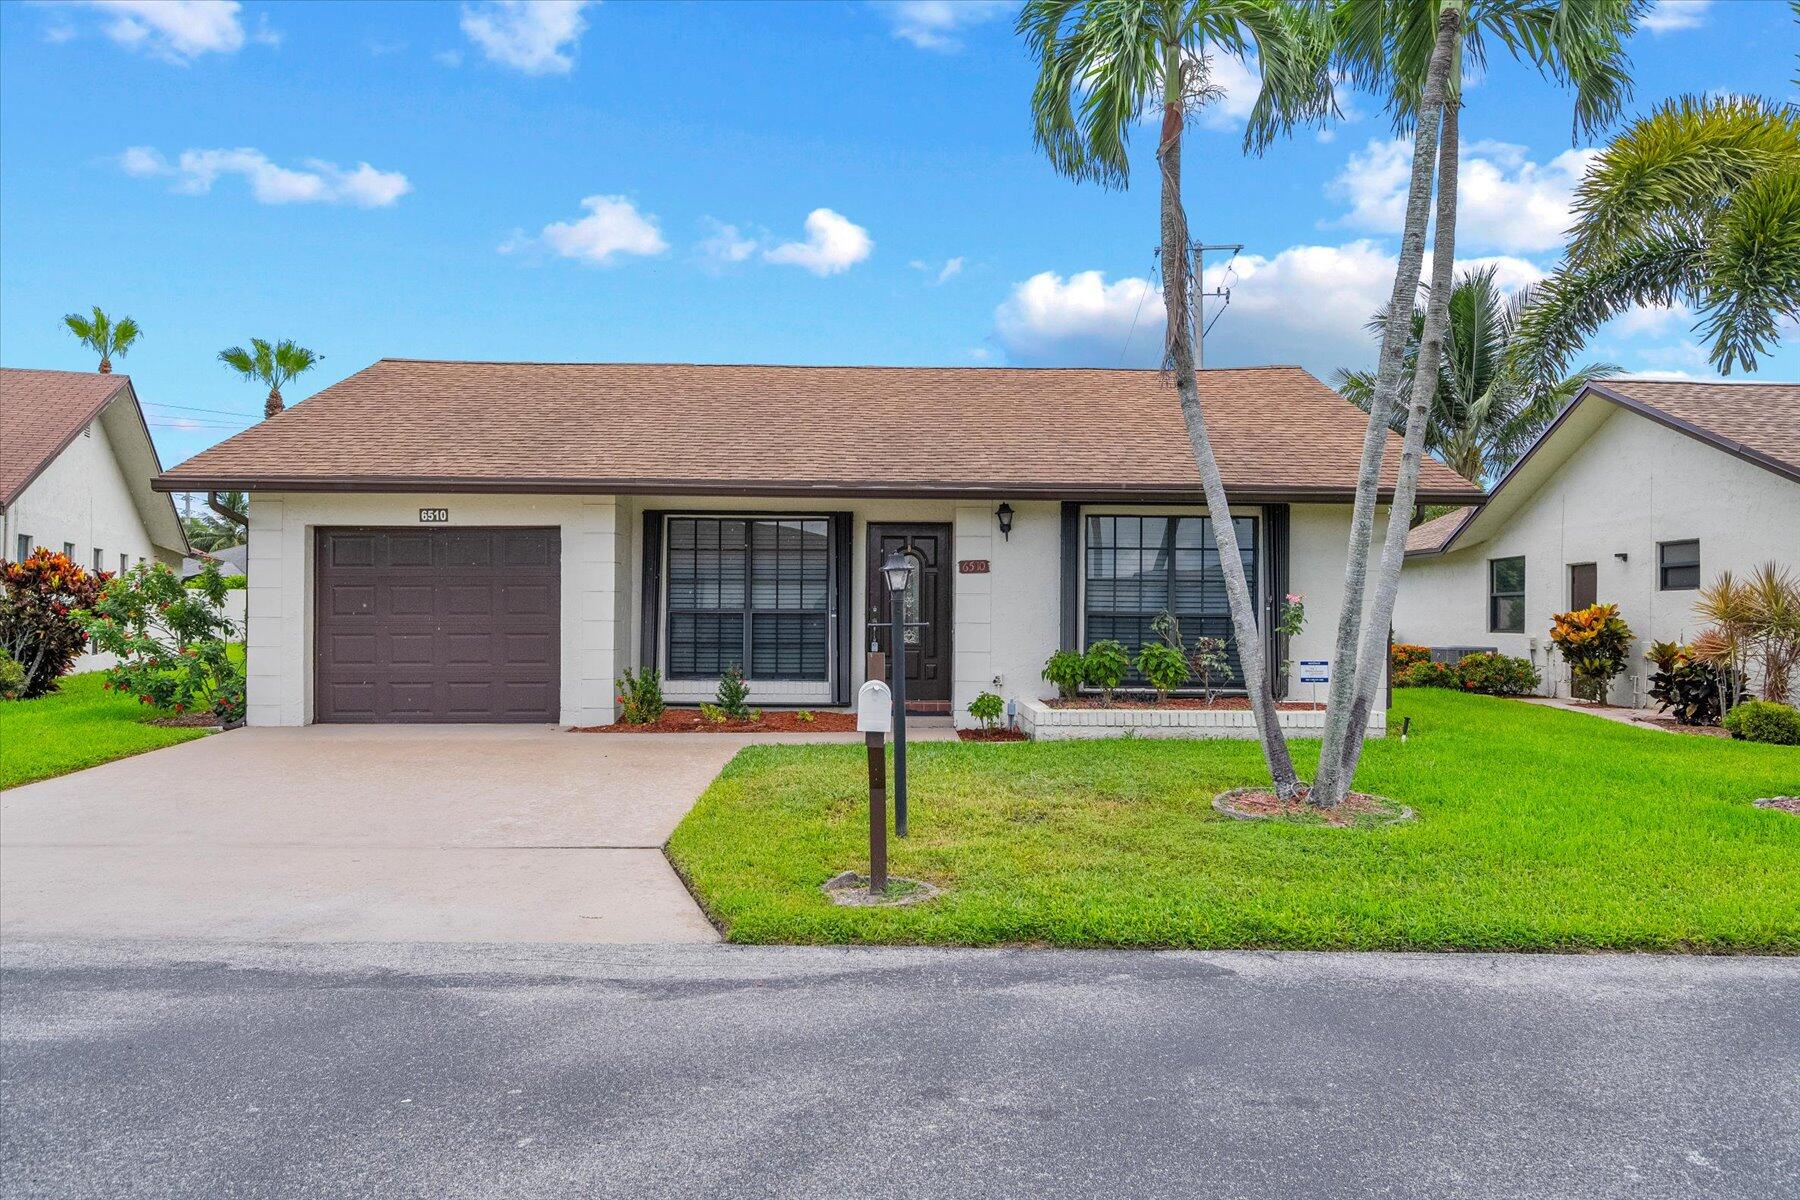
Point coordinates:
pixel 1329 785
pixel 273 404
pixel 1175 252
pixel 1425 379
pixel 105 365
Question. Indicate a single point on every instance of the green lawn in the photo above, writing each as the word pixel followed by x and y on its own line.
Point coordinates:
pixel 77 726
pixel 1538 830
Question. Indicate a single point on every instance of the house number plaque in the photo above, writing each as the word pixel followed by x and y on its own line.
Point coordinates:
pixel 972 566
pixel 433 516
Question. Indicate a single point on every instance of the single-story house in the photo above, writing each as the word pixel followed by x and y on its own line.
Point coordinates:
pixel 477 541
pixel 76 461
pixel 232 560
pixel 1636 495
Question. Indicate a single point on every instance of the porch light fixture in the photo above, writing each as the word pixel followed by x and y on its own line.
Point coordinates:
pixel 1005 515
pixel 898 567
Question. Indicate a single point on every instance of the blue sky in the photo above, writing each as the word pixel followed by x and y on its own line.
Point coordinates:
pixel 805 183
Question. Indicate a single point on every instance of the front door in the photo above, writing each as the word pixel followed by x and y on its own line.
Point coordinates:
pixel 927 605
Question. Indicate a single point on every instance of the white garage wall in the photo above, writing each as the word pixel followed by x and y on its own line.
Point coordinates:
pixel 1633 484
pixel 279 644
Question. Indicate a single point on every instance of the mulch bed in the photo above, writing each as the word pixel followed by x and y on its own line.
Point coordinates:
pixel 1786 804
pixel 1717 731
pixel 689 720
pixel 990 735
pixel 1358 808
pixel 193 720
pixel 1186 703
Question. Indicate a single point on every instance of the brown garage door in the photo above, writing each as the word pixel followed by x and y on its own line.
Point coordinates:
pixel 437 624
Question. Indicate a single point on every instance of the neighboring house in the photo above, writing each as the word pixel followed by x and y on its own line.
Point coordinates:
pixel 233 560
pixel 1636 495
pixel 466 541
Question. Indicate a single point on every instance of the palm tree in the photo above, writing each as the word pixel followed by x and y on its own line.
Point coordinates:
pixel 1412 51
pixel 105 337
pixel 273 365
pixel 1102 64
pixel 214 531
pixel 1481 418
pixel 1699 202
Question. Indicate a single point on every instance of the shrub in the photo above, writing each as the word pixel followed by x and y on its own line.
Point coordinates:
pixel 1402 655
pixel 640 696
pixel 1067 670
pixel 232 582
pixel 734 694
pixel 1594 642
pixel 1210 663
pixel 1491 674
pixel 987 708
pixel 1165 667
pixel 1692 690
pixel 1104 666
pixel 39 628
pixel 1427 674
pixel 711 712
pixel 170 640
pixel 806 716
pixel 1764 721
pixel 12 677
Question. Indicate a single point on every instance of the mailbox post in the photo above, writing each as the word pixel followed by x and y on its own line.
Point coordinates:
pixel 874 717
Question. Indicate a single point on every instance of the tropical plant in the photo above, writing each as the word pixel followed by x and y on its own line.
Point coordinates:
pixel 1692 690
pixel 1764 721
pixel 1101 65
pixel 1211 664
pixel 987 708
pixel 1594 642
pixel 641 696
pixel 1487 673
pixel 1755 629
pixel 1411 52
pixel 273 365
pixel 1426 673
pixel 1067 669
pixel 1697 203
pixel 1164 667
pixel 1402 655
pixel 214 531
pixel 1105 666
pixel 12 677
pixel 733 697
pixel 169 640
pixel 104 336
pixel 1481 417
pixel 39 602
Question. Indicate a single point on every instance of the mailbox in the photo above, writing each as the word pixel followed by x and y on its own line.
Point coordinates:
pixel 874 708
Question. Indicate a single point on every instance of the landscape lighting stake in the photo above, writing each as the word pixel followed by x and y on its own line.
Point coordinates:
pixel 898 568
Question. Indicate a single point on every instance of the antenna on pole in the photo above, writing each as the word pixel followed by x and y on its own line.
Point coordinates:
pixel 1201 325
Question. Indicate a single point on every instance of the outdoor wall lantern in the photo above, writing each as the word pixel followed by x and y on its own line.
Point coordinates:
pixel 1005 515
pixel 1622 557
pixel 898 567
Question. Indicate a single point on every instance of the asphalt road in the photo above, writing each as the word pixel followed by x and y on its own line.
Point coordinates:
pixel 169 1069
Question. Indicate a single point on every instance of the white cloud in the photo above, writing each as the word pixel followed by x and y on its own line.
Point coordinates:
pixel 941 273
pixel 319 182
pixel 1652 320
pixel 936 24
pixel 537 37
pixel 176 31
pixel 833 245
pixel 1239 81
pixel 1505 201
pixel 612 227
pixel 1306 305
pixel 1671 16
pixel 725 244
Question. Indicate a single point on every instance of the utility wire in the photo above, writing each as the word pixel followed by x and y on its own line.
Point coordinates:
pixel 1155 267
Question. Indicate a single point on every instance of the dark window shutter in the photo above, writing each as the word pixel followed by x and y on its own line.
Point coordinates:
pixel 1071 576
pixel 1275 518
pixel 842 611
pixel 650 610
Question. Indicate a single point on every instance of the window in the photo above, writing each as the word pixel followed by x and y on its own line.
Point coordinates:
pixel 1506 595
pixel 99 559
pixel 1139 567
pixel 23 550
pixel 1678 566
pixel 69 551
pixel 124 563
pixel 749 592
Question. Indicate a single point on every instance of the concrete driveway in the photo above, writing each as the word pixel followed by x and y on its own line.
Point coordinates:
pixel 385 833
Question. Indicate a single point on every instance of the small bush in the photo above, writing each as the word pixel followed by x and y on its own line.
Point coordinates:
pixel 232 582
pixel 806 716
pixel 1427 674
pixel 1593 641
pixel 12 677
pixel 1104 666
pixel 40 599
pixel 1491 674
pixel 169 639
pixel 711 712
pixel 734 694
pixel 1163 666
pixel 987 708
pixel 1067 670
pixel 1764 721
pixel 641 697
pixel 1402 655
pixel 1692 690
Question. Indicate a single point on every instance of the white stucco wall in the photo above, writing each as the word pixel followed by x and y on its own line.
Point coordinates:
pixel 82 497
pixel 279 644
pixel 1632 484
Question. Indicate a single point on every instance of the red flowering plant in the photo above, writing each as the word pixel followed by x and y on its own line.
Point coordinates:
pixel 169 639
pixel 39 600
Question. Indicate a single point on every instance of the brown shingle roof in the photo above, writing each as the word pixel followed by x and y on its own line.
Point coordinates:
pixel 1430 536
pixel 1759 421
pixel 41 412
pixel 847 430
